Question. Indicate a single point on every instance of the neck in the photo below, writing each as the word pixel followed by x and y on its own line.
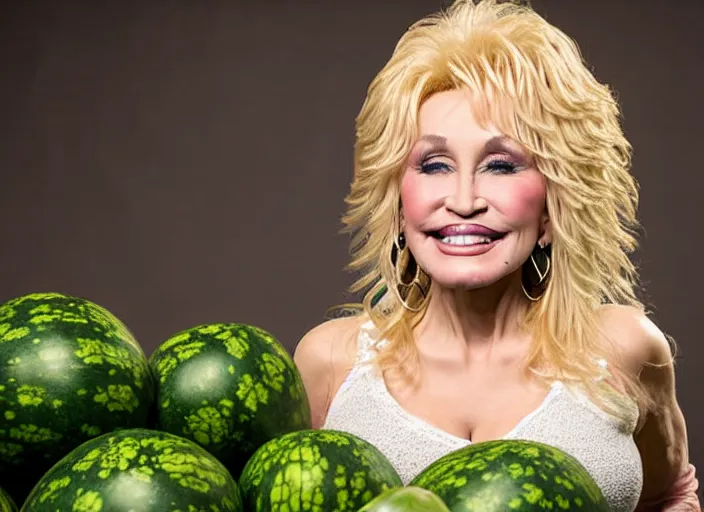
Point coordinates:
pixel 474 320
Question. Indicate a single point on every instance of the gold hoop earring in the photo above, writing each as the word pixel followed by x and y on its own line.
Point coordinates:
pixel 400 260
pixel 543 251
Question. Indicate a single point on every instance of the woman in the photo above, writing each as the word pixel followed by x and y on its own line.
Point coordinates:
pixel 492 185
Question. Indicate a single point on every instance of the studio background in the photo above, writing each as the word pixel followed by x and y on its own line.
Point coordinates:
pixel 186 162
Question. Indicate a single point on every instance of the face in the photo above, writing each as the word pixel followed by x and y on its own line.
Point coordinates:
pixel 473 204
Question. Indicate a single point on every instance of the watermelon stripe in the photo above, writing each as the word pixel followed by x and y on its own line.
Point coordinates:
pixel 126 469
pixel 315 470
pixel 511 474
pixel 70 370
pixel 6 502
pixel 229 387
pixel 406 499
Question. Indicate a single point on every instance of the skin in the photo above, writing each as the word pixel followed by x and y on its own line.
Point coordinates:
pixel 469 343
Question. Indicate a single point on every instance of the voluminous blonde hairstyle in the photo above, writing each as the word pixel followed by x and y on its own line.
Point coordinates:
pixel 531 83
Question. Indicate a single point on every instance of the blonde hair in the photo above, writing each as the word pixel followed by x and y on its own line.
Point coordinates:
pixel 533 86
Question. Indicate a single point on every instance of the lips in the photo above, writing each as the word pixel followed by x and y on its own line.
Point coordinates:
pixel 466 235
pixel 469 229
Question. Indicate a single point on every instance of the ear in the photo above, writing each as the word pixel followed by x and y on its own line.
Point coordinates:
pixel 545 237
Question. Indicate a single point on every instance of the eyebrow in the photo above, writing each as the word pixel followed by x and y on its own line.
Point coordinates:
pixel 434 139
pixel 496 144
pixel 500 143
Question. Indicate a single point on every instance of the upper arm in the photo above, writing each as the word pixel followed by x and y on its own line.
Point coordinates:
pixel 324 356
pixel 662 439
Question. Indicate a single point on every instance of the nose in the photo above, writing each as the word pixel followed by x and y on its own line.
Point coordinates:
pixel 464 200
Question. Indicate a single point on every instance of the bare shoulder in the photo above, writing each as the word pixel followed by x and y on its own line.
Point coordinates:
pixel 638 338
pixel 662 439
pixel 333 341
pixel 324 356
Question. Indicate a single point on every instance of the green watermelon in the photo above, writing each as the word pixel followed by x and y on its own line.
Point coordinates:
pixel 406 499
pixel 6 502
pixel 317 471
pixel 69 371
pixel 136 469
pixel 229 387
pixel 515 475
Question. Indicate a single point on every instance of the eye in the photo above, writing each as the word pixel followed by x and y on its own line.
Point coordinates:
pixel 500 166
pixel 434 167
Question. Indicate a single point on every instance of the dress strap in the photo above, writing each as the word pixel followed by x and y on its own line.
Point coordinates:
pixel 367 342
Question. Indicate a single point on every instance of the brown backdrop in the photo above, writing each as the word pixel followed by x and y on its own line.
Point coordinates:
pixel 185 162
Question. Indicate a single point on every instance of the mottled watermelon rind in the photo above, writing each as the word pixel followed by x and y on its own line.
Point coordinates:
pixel 315 470
pixel 230 387
pixel 406 499
pixel 7 504
pixel 136 469
pixel 515 475
pixel 70 370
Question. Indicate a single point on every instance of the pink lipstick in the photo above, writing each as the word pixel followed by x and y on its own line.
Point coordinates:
pixel 466 239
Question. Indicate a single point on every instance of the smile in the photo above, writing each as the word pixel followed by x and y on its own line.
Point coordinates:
pixel 466 240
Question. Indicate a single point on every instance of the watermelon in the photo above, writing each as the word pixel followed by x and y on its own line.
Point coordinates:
pixel 511 475
pixel 69 371
pixel 315 470
pixel 229 387
pixel 6 502
pixel 136 469
pixel 406 499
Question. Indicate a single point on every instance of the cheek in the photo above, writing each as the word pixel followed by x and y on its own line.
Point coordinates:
pixel 416 198
pixel 521 202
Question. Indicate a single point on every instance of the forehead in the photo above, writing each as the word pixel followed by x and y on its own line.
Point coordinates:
pixel 457 114
pixel 462 119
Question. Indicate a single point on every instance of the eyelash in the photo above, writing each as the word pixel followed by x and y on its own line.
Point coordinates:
pixel 496 166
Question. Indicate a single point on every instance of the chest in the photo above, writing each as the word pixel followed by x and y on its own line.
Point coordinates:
pixel 413 440
pixel 487 405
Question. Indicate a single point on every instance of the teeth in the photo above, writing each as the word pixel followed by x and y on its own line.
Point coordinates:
pixel 466 240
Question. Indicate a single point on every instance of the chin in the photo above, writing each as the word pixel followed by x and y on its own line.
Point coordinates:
pixel 468 271
pixel 467 280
